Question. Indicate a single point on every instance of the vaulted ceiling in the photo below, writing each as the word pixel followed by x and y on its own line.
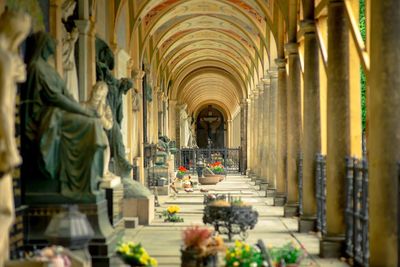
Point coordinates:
pixel 207 51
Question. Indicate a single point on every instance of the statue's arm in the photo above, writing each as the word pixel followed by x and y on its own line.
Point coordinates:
pixel 56 98
pixel 107 119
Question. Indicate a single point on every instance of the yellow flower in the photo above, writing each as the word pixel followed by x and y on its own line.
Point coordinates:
pixel 173 209
pixel 247 248
pixel 153 262
pixel 238 244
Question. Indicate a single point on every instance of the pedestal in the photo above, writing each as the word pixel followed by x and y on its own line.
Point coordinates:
pixel 291 210
pixel 279 200
pixel 101 247
pixel 143 208
pixel 307 224
pixel 332 246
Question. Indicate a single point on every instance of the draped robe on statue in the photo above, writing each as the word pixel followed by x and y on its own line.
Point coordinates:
pixel 65 138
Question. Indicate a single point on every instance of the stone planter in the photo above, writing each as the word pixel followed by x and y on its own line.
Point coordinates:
pixel 209 180
pixel 190 258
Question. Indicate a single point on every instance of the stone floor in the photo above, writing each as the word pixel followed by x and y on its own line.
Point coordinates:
pixel 163 240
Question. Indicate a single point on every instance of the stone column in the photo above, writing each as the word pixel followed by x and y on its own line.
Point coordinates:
pixel 293 129
pixel 230 134
pixel 338 120
pixel 172 119
pixel 243 134
pixel 272 132
pixel 138 116
pixel 260 117
pixel 252 134
pixel 281 178
pixel 55 14
pixel 384 129
pixel 84 62
pixel 265 128
pixel 312 123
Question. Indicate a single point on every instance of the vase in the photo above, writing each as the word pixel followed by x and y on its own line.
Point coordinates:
pixel 191 258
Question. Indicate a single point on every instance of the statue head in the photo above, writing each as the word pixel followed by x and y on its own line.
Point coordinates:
pixel 126 85
pixel 14 27
pixel 68 7
pixel 99 93
pixel 40 45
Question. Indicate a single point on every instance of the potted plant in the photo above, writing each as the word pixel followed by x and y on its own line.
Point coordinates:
pixel 135 255
pixel 170 214
pixel 200 247
pixel 286 255
pixel 243 255
pixel 218 168
pixel 181 172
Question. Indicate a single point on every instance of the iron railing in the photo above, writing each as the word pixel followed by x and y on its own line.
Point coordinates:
pixel 320 181
pixel 229 157
pixel 356 213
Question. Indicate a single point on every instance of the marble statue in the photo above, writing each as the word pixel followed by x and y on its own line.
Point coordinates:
pixel 116 89
pixel 98 102
pixel 14 27
pixel 68 48
pixel 63 140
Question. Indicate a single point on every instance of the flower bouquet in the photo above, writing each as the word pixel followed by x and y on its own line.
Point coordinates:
pixel 287 255
pixel 217 168
pixel 243 255
pixel 135 255
pixel 200 247
pixel 171 214
pixel 181 172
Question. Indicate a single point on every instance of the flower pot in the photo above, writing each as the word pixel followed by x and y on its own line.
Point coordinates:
pixel 191 258
pixel 209 180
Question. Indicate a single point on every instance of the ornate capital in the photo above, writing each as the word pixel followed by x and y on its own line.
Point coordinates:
pixel 292 48
pixel 137 74
pixel 307 26
pixel 281 63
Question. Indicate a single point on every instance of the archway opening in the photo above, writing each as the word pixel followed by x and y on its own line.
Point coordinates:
pixel 210 128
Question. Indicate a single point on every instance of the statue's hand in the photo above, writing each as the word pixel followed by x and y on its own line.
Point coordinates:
pixel 91 113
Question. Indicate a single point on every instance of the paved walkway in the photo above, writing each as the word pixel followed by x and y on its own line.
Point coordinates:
pixel 163 240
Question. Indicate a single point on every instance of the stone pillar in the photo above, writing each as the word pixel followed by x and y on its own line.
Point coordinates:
pixel 55 14
pixel 338 145
pixel 293 129
pixel 258 127
pixel 230 133
pixel 250 128
pixel 272 132
pixel 265 128
pixel 172 119
pixel 281 178
pixel 312 123
pixel 138 116
pixel 384 129
pixel 84 49
pixel 243 134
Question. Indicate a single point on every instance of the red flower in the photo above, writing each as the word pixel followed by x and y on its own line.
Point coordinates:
pixel 182 169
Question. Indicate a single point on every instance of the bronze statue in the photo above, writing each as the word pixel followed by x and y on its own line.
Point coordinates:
pixel 116 89
pixel 63 141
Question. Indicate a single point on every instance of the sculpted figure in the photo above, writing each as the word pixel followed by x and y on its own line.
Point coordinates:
pixel 116 89
pixel 68 41
pixel 98 102
pixel 14 27
pixel 63 140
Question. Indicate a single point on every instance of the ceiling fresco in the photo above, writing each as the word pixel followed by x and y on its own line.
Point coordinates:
pixel 229 38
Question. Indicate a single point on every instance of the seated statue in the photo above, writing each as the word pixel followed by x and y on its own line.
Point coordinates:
pixel 63 142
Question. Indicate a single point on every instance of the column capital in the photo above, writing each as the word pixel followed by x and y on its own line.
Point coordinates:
pixel 281 63
pixel 260 87
pixel 307 26
pixel 266 79
pixel 292 48
pixel 138 74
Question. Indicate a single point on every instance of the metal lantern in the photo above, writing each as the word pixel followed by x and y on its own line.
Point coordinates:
pixel 70 229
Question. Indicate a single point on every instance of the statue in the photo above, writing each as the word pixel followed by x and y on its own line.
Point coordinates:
pixel 116 88
pixel 63 140
pixel 14 27
pixel 98 102
pixel 68 41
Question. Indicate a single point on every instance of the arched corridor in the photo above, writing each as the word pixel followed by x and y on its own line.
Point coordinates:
pixel 110 105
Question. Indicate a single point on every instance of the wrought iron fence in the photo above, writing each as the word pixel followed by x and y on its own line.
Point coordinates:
pixel 320 181
pixel 229 157
pixel 356 214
